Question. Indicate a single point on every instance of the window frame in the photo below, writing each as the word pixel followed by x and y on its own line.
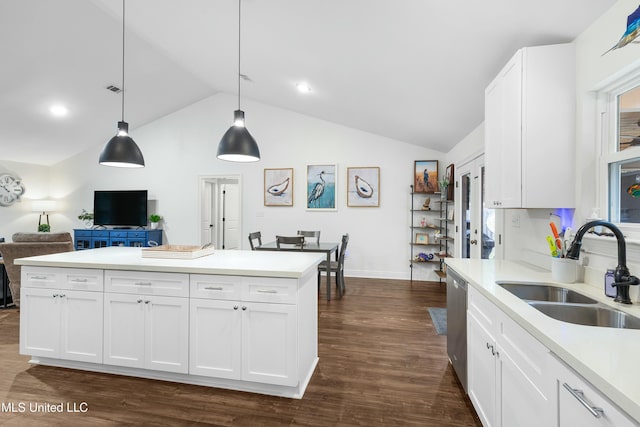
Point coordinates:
pixel 608 143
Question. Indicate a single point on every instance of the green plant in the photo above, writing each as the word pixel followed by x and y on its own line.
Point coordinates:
pixel 155 218
pixel 444 182
pixel 44 228
pixel 85 216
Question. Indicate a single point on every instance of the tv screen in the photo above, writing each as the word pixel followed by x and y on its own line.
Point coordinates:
pixel 120 208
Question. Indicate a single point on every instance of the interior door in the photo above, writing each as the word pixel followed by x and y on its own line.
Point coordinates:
pixel 231 216
pixel 477 229
pixel 221 211
pixel 207 212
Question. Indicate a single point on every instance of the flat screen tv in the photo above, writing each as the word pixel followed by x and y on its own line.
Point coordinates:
pixel 127 208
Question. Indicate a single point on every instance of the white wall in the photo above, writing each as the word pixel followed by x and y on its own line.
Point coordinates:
pixel 469 148
pixel 19 216
pixel 182 146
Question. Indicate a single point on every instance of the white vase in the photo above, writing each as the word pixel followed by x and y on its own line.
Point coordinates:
pixel 154 225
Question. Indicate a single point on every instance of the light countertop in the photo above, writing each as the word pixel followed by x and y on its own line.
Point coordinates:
pixel 227 262
pixel 606 357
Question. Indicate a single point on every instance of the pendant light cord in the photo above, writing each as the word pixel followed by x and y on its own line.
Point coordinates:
pixel 239 72
pixel 123 60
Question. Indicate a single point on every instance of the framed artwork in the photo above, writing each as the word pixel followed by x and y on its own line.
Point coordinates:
pixel 321 187
pixel 422 239
pixel 278 187
pixel 425 176
pixel 363 186
pixel 449 175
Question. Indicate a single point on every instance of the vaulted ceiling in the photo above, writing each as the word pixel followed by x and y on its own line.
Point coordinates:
pixel 411 70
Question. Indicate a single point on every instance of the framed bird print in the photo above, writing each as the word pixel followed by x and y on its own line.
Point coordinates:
pixel 425 176
pixel 278 187
pixel 363 187
pixel 321 187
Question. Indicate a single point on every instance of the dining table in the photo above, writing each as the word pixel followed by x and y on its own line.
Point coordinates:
pixel 309 246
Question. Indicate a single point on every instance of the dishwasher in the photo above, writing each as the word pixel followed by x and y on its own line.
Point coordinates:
pixel 457 325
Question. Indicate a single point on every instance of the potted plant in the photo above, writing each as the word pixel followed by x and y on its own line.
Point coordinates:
pixel 44 228
pixel 443 184
pixel 87 217
pixel 154 219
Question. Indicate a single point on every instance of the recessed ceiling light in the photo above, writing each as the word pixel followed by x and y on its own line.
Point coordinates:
pixel 58 110
pixel 303 87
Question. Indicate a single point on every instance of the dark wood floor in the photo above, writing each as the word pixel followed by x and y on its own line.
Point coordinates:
pixel 381 364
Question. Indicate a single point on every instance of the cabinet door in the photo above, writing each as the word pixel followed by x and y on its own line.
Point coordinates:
pixel 166 333
pixel 215 339
pixel 39 322
pixel 481 374
pixel 81 325
pixel 503 136
pixel 124 330
pixel 269 343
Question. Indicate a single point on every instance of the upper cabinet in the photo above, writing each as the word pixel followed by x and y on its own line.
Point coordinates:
pixel 530 130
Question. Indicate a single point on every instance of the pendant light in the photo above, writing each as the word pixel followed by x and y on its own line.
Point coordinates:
pixel 121 150
pixel 237 144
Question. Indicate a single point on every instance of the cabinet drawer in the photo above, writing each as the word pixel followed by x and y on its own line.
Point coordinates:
pixel 118 234
pixel 83 233
pixel 215 287
pixel 81 279
pixel 146 283
pixel 483 309
pixel 100 233
pixel 269 289
pixel 137 234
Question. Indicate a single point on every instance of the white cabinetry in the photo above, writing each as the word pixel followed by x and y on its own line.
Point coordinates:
pixel 238 333
pixel 146 320
pixel 579 404
pixel 61 313
pixel 530 130
pixel 509 383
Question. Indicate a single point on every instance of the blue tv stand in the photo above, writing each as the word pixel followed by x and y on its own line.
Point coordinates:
pixel 91 239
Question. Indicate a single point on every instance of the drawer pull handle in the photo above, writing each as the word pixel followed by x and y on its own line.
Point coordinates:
pixel 80 280
pixel 267 291
pixel 578 394
pixel 214 288
pixel 39 277
pixel 143 283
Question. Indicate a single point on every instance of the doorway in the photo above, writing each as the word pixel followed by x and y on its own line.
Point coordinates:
pixel 221 211
pixel 476 232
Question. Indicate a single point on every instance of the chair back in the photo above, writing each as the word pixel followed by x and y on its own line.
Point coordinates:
pixel 343 250
pixel 310 235
pixel 255 236
pixel 290 240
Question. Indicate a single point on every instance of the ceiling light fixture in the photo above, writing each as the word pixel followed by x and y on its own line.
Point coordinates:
pixel 303 87
pixel 121 150
pixel 58 110
pixel 237 144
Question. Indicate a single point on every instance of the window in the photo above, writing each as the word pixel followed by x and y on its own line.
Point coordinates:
pixel 621 153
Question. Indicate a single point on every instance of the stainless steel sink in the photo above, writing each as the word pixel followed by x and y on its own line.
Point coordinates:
pixel 588 315
pixel 549 293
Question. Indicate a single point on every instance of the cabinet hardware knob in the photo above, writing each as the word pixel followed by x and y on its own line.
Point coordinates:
pixel 55 295
pixel 63 295
pixel 579 395
pixel 244 307
pixel 235 307
pixel 139 301
pixel 147 301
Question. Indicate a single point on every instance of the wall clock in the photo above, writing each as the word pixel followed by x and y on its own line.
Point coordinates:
pixel 11 188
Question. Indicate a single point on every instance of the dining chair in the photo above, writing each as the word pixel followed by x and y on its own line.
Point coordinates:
pixel 255 236
pixel 336 267
pixel 310 234
pixel 290 240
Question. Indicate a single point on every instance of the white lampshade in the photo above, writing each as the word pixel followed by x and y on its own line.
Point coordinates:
pixel 44 205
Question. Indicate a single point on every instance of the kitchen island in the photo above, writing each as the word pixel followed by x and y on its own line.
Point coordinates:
pixel 240 320
pixel 542 371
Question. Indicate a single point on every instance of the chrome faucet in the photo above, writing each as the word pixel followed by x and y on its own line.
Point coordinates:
pixel 623 278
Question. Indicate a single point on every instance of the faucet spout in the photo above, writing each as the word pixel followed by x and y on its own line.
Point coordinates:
pixel 623 278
